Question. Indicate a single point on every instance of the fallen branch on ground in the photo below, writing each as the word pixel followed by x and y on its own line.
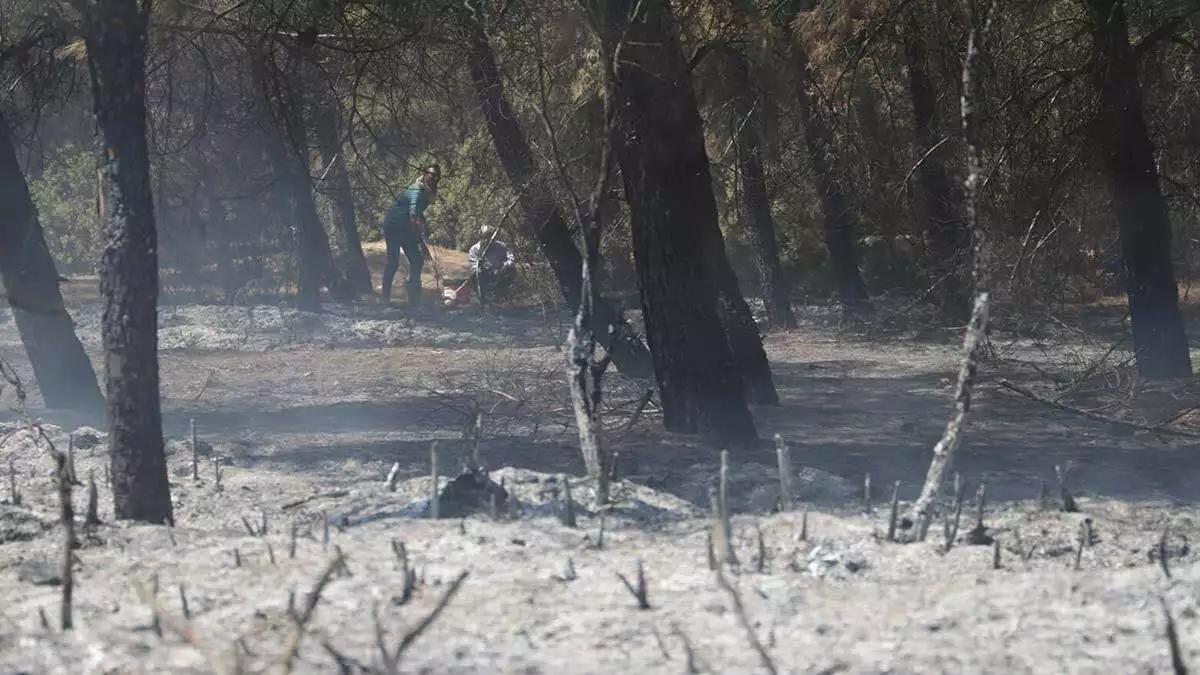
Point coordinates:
pixel 642 402
pixel 1091 370
pixel 1158 429
pixel 323 495
pixel 1176 416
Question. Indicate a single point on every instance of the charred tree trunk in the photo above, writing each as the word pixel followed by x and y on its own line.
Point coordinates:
pixel 629 354
pixel 665 170
pixel 878 204
pixel 839 216
pixel 181 237
pixel 1142 216
pixel 287 142
pixel 64 373
pixel 756 205
pixel 329 144
pixel 741 330
pixel 948 240
pixel 115 34
pixel 216 217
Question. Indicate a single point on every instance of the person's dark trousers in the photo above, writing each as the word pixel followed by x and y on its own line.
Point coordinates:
pixel 401 237
pixel 493 285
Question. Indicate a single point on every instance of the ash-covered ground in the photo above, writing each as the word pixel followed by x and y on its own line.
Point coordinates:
pixel 306 414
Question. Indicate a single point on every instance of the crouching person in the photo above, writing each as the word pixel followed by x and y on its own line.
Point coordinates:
pixel 492 265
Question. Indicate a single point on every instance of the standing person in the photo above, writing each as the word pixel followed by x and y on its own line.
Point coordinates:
pixel 492 264
pixel 404 227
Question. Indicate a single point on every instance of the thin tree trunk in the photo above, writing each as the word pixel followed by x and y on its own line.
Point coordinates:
pixel 948 239
pixel 354 262
pixel 668 186
pixel 182 229
pixel 877 203
pixel 839 216
pixel 977 328
pixel 756 205
pixel 287 143
pixel 866 108
pixel 216 216
pixel 629 354
pixel 64 373
pixel 1142 216
pixel 115 34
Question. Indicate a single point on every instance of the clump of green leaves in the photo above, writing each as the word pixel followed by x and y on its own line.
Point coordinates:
pixel 65 195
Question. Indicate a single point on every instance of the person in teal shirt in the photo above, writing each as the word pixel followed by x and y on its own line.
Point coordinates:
pixel 404 227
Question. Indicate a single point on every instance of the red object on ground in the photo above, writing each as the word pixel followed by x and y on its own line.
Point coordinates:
pixel 455 293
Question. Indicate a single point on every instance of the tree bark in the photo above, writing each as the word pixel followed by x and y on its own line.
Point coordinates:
pixel 839 216
pixel 665 170
pixel 948 239
pixel 629 354
pixel 329 144
pixel 976 338
pixel 61 366
pixel 180 248
pixel 216 216
pixel 756 205
pixel 115 34
pixel 287 143
pixel 1141 210
pixel 741 330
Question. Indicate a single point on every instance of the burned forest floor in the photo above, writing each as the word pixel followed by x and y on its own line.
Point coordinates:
pixel 300 418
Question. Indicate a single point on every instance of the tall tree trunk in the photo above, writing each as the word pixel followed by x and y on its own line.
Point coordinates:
pixel 948 239
pixel 181 249
pixel 756 205
pixel 1142 216
pixel 878 203
pixel 217 226
pixel 665 170
pixel 629 354
pixel 62 369
pixel 329 144
pixel 741 330
pixel 839 215
pixel 287 142
pixel 737 320
pixel 115 34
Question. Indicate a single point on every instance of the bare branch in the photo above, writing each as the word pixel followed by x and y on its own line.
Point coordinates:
pixel 743 618
pixel 393 659
pixel 310 605
pixel 188 633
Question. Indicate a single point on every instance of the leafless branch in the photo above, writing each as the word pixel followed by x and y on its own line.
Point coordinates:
pixel 743 618
pixel 392 660
pixel 300 621
pixel 183 628
pixel 1058 405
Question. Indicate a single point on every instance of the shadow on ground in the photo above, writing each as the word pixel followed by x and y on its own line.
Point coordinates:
pixel 846 425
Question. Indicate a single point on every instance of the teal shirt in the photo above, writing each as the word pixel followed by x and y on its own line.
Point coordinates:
pixel 412 201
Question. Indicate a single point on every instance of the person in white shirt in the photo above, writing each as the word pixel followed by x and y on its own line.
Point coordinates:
pixel 492 265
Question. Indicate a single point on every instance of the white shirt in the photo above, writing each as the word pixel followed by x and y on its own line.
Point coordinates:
pixel 496 256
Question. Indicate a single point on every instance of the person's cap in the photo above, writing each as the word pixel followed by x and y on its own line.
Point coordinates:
pixel 486 231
